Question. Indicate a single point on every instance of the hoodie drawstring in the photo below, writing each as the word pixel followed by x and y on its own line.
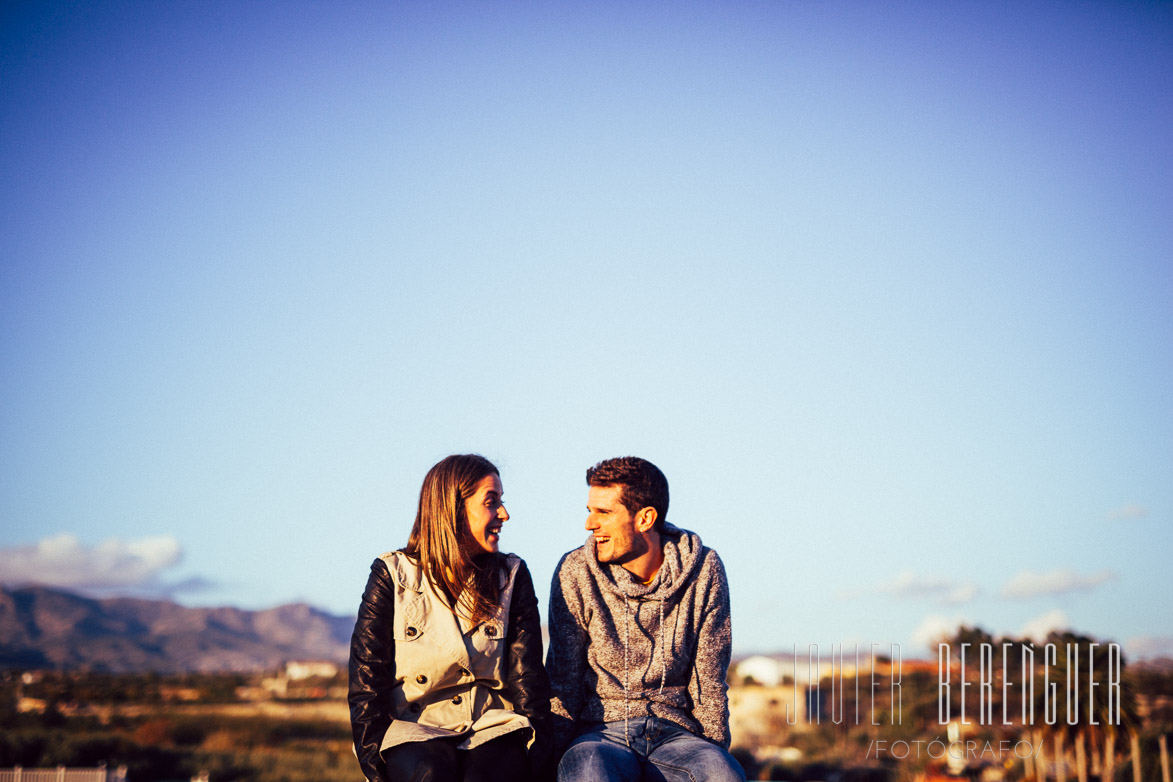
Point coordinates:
pixel 663 651
pixel 627 663
pixel 626 646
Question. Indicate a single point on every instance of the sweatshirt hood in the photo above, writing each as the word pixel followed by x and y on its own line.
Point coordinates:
pixel 682 558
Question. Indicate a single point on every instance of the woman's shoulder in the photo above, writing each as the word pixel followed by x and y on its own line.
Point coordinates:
pixel 402 567
pixel 509 565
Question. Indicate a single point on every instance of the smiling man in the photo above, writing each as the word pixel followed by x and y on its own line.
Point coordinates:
pixel 639 640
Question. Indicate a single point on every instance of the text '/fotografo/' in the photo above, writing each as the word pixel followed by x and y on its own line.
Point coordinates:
pixel 963 751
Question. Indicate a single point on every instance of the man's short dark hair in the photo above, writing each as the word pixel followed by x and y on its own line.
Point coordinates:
pixel 642 482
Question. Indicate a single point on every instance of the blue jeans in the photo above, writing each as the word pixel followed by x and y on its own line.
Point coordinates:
pixel 649 750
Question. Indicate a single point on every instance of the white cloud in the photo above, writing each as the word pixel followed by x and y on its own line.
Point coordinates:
pixel 1150 646
pixel 908 585
pixel 63 561
pixel 936 628
pixel 1037 628
pixel 1130 511
pixel 1057 582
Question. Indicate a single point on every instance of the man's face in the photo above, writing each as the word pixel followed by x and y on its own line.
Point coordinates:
pixel 617 540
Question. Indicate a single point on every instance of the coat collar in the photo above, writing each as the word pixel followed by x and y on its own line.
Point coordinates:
pixel 409 575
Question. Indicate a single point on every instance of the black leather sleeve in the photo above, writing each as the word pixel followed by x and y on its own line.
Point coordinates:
pixel 372 671
pixel 526 684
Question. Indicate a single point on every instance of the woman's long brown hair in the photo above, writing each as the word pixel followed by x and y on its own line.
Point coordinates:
pixel 440 539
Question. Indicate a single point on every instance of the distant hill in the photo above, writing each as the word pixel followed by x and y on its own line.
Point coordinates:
pixel 42 627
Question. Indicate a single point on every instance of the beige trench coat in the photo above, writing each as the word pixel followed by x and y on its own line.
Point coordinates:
pixel 449 672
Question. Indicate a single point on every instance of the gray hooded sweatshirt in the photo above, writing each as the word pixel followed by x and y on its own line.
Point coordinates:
pixel 620 650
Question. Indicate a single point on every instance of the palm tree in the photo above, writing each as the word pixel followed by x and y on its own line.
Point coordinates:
pixel 1088 717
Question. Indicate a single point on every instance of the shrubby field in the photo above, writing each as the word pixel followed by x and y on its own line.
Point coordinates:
pixel 170 728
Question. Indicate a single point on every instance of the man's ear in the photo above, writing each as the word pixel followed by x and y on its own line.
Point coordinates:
pixel 645 520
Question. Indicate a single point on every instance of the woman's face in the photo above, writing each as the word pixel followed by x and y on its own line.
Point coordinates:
pixel 486 513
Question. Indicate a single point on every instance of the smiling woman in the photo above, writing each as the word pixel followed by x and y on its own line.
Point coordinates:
pixel 446 658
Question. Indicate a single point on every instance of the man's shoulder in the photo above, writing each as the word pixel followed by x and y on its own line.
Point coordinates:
pixel 707 557
pixel 577 571
pixel 711 570
pixel 710 557
pixel 573 561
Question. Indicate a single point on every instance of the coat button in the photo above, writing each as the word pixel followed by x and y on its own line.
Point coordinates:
pixel 422 679
pixel 416 708
pixel 411 632
pixel 457 699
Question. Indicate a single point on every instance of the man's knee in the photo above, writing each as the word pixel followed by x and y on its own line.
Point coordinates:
pixel 592 760
pixel 701 762
pixel 727 770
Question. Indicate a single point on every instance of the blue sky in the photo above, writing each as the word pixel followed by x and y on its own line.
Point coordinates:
pixel 885 289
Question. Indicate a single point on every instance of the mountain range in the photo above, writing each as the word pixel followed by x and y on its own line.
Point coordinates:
pixel 42 627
